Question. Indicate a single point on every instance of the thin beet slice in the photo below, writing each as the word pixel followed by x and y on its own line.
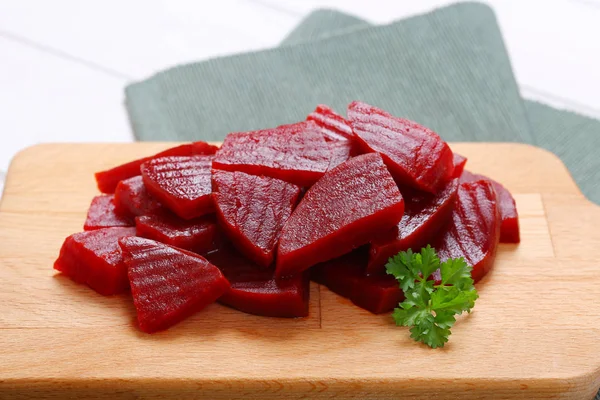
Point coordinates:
pixel 168 284
pixel 416 156
pixel 199 235
pixel 256 291
pixel 459 165
pixel 342 211
pixel 341 151
pixel 509 231
pixel 94 258
pixel 474 229
pixel 132 198
pixel 108 180
pixel 102 214
pixel 251 210
pixel 346 277
pixel 424 216
pixel 182 184
pixel 333 126
pixel 295 153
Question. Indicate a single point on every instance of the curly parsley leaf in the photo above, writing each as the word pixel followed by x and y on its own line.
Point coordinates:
pixel 456 272
pixel 401 266
pixel 429 308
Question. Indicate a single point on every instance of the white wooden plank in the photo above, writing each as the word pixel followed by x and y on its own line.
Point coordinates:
pixel 555 49
pixel 140 37
pixel 47 99
pixel 592 3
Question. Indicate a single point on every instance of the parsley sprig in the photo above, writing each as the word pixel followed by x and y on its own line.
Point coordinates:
pixel 430 308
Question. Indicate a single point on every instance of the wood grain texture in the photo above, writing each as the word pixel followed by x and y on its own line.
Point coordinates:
pixel 535 332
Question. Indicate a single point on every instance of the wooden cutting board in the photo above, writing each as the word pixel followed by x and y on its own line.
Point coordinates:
pixel 534 333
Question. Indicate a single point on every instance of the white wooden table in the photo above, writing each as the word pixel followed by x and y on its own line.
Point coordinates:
pixel 64 63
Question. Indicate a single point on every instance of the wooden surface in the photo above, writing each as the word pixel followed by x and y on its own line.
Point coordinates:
pixel 534 333
pixel 47 47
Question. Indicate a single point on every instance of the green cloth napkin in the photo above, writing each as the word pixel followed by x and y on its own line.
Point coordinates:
pixel 434 69
pixel 447 69
pixel 573 137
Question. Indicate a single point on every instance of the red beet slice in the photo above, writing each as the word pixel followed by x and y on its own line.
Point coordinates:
pixel 341 151
pixel 459 165
pixel 132 198
pixel 416 156
pixel 182 184
pixel 346 277
pixel 255 290
pixel 342 211
pixel 474 229
pixel 295 153
pixel 102 214
pixel 509 231
pixel 424 216
pixel 107 180
pixel 168 284
pixel 251 210
pixel 199 235
pixel 94 258
pixel 333 126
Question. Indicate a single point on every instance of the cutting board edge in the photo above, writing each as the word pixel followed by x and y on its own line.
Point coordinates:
pixel 23 153
pixel 579 387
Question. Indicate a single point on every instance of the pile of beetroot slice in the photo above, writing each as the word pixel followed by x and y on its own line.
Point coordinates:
pixel 251 223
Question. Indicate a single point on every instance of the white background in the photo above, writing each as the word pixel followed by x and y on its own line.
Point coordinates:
pixel 64 63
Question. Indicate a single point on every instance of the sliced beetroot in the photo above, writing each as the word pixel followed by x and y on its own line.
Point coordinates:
pixel 346 276
pixel 474 228
pixel 333 126
pixel 132 198
pixel 341 151
pixel 199 235
pixel 509 231
pixel 168 284
pixel 295 153
pixel 459 165
pixel 425 215
pixel 342 211
pixel 182 184
pixel 251 210
pixel 108 180
pixel 256 291
pixel 416 156
pixel 102 214
pixel 94 258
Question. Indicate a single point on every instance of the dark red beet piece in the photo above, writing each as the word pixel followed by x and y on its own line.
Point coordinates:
pixel 341 151
pixel 94 258
pixel 251 210
pixel 295 153
pixel 424 216
pixel 342 211
pixel 333 126
pixel 132 198
pixel 509 231
pixel 108 180
pixel 474 229
pixel 459 165
pixel 102 214
pixel 168 284
pixel 255 290
pixel 346 277
pixel 182 184
pixel 199 235
pixel 416 156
